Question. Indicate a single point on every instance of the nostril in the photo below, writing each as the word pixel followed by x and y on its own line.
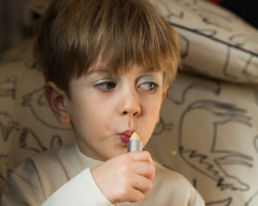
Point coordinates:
pixel 136 114
pixel 125 112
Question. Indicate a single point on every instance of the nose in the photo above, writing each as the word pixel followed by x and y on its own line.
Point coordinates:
pixel 130 103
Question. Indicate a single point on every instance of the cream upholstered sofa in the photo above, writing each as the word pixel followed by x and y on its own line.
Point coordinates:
pixel 209 120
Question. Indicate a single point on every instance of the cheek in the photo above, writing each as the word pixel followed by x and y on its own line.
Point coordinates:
pixel 150 114
pixel 151 107
pixel 92 119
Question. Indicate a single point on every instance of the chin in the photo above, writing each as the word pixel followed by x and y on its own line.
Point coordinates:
pixel 117 152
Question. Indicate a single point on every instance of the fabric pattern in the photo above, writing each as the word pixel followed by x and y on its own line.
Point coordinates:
pixel 27 125
pixel 214 42
pixel 208 132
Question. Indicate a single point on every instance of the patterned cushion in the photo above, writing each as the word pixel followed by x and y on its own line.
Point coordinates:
pixel 208 132
pixel 214 42
pixel 27 125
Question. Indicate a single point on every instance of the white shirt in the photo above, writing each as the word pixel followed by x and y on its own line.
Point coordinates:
pixel 63 177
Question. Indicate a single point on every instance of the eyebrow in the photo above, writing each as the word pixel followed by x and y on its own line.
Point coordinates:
pixel 98 71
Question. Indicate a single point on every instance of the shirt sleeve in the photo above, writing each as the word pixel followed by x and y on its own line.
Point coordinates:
pixel 19 191
pixel 196 199
pixel 80 191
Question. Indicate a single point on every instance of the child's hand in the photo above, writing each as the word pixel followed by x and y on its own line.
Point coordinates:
pixel 125 178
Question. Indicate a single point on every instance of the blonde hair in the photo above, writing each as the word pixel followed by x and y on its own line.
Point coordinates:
pixel 73 34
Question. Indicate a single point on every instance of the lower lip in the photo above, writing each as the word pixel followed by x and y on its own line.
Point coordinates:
pixel 124 138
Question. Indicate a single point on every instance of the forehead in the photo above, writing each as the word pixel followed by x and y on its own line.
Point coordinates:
pixel 120 68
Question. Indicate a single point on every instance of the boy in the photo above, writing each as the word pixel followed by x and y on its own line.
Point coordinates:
pixel 107 64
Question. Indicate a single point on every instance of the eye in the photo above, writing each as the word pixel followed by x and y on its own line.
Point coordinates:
pixel 106 86
pixel 149 86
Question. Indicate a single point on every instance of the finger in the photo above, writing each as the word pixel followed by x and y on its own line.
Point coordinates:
pixel 134 196
pixel 140 156
pixel 145 169
pixel 142 184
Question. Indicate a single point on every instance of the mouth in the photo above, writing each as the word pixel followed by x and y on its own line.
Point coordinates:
pixel 125 136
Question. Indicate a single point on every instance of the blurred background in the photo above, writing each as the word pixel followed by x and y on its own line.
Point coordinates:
pixel 16 18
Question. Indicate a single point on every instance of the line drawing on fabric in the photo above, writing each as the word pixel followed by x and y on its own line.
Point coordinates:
pixel 31 64
pixel 161 127
pixel 207 32
pixel 7 125
pixel 210 161
pixel 56 141
pixel 29 140
pixel 251 199
pixel 4 171
pixel 184 46
pixel 256 95
pixel 211 86
pixel 213 38
pixel 236 43
pixel 13 56
pixel 227 64
pixel 168 14
pixel 8 87
pixel 226 202
pixel 207 17
pixel 40 109
pixel 225 17
pixel 192 69
pixel 255 142
pixel 241 40
pixel 249 66
pixel 194 183
pixel 246 67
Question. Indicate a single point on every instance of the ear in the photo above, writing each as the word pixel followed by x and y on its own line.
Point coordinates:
pixel 56 99
pixel 163 96
pixel 165 92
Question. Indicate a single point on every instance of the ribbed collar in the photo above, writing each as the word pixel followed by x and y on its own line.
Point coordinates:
pixel 84 160
pixel 74 161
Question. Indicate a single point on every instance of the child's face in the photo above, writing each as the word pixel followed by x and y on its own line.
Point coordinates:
pixel 105 111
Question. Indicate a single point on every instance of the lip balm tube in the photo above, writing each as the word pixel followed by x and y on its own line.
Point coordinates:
pixel 135 143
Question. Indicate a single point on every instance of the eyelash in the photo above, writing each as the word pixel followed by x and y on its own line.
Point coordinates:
pixel 154 87
pixel 104 83
pixel 98 86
